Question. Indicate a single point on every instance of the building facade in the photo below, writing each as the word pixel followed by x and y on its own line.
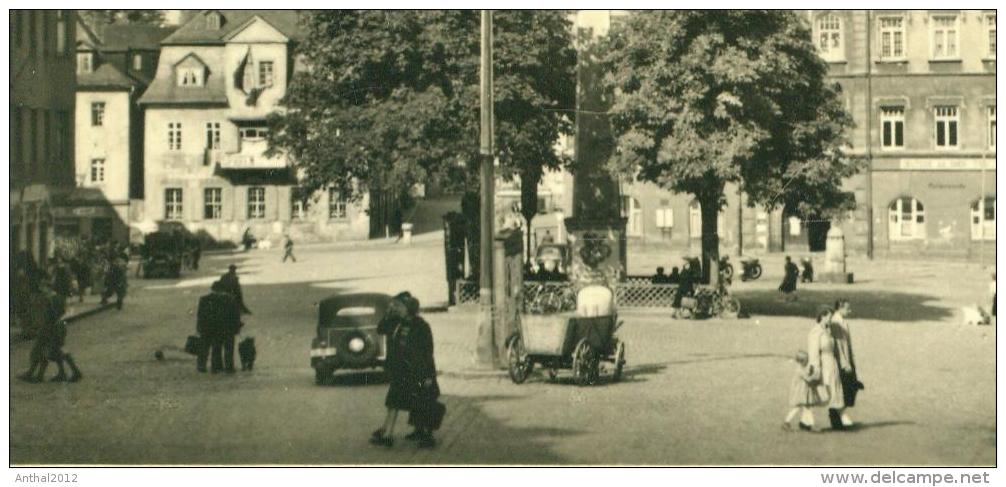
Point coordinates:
pixel 218 77
pixel 115 64
pixel 42 74
pixel 920 86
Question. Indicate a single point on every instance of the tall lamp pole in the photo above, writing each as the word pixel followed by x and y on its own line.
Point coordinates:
pixel 485 348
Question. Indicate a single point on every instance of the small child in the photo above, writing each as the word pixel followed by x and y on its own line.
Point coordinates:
pixel 802 394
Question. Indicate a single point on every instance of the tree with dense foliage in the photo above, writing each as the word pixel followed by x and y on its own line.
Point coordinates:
pixel 97 18
pixel 706 98
pixel 391 98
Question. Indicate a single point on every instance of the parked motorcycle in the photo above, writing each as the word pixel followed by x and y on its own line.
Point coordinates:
pixel 752 270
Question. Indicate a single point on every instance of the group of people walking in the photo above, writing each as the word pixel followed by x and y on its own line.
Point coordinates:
pixel 825 373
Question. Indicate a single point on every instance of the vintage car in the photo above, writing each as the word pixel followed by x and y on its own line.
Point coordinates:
pixel 162 254
pixel 347 336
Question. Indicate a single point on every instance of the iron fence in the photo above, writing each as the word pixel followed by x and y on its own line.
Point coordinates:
pixel 633 292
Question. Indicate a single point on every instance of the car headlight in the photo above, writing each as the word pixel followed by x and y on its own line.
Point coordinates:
pixel 357 345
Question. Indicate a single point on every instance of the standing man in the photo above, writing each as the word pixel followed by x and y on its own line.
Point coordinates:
pixel 115 282
pixel 233 287
pixel 847 371
pixel 197 253
pixel 218 319
pixel 288 249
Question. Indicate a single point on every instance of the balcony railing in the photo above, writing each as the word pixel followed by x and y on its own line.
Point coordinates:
pixel 252 157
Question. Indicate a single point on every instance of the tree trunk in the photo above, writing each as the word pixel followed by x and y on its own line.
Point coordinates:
pixel 470 209
pixel 710 241
pixel 529 204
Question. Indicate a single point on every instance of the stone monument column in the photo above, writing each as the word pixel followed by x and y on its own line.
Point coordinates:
pixel 596 228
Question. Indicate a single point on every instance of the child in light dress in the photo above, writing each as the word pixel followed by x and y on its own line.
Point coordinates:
pixel 803 394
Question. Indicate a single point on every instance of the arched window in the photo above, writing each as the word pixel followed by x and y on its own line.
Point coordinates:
pixel 829 39
pixel 906 219
pixel 695 221
pixel 983 219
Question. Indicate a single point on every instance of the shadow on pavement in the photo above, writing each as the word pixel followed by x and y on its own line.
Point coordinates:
pixel 866 304
pixel 471 436
pixel 743 356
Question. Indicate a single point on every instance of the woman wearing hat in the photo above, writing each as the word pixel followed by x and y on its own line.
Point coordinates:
pixel 412 374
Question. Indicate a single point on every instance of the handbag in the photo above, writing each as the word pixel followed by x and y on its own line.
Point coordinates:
pixel 193 345
pixel 429 415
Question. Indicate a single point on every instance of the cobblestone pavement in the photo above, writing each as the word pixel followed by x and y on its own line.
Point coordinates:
pixel 695 392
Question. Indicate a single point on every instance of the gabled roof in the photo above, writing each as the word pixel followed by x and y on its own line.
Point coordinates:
pixel 193 56
pixel 105 78
pixel 86 36
pixel 145 37
pixel 196 30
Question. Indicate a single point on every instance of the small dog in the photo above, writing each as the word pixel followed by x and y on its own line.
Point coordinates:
pixel 246 350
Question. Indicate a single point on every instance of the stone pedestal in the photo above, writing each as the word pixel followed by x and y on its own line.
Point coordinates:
pixel 834 270
pixel 596 230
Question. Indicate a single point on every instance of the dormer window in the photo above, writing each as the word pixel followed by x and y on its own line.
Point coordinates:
pixel 85 62
pixel 214 20
pixel 190 77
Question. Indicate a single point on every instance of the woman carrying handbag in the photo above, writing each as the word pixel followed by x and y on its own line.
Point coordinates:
pixel 412 374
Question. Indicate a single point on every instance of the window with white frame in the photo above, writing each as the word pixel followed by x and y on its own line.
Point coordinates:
pixel 992 127
pixel 892 126
pixel 892 38
pixel 633 212
pixel 299 204
pixel 944 34
pixel 190 77
pixel 137 62
pixel 830 42
pixel 990 34
pixel 173 203
pixel 253 133
pixel 336 205
pixel 946 127
pixel 85 62
pixel 983 219
pixel 175 136
pixel 906 219
pixel 256 202
pixel 265 74
pixel 97 113
pixel 212 203
pixel 97 170
pixel 212 135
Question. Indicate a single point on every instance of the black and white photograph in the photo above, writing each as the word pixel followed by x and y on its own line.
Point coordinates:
pixel 431 236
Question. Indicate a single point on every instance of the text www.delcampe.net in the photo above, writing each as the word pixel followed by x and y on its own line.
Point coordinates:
pixel 894 477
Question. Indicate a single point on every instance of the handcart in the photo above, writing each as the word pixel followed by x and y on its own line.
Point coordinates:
pixel 580 341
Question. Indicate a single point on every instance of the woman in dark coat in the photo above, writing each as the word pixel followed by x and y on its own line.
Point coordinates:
pixel 686 287
pixel 788 285
pixel 411 372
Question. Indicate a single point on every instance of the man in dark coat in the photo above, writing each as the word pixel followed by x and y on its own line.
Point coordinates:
pixel 62 280
pixel 218 319
pixel 232 286
pixel 288 249
pixel 197 253
pixel 115 282
pixel 412 374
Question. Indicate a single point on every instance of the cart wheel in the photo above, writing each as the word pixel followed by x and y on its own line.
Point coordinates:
pixel 619 362
pixel 731 307
pixel 755 272
pixel 585 364
pixel 519 365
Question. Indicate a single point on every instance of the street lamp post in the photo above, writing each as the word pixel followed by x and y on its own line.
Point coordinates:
pixel 485 348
